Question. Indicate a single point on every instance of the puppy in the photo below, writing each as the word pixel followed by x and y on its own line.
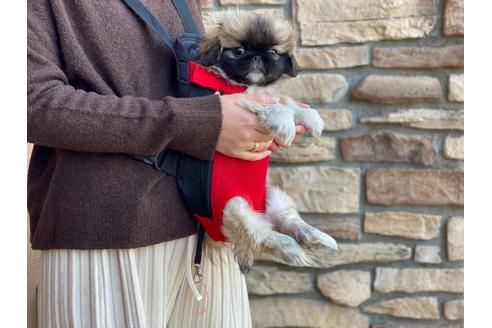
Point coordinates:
pixel 256 51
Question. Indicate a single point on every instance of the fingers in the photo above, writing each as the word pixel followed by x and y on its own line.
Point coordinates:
pixel 253 156
pixel 259 146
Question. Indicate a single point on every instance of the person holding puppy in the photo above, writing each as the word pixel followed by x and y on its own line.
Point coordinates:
pixel 114 233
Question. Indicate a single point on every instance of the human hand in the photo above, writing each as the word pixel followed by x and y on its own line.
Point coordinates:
pixel 241 135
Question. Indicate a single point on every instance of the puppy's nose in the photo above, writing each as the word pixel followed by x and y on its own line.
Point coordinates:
pixel 257 59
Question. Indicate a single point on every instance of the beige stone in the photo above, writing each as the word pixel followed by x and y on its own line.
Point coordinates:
pixel 387 146
pixel 339 228
pixel 343 10
pixel 300 312
pixel 454 310
pixel 336 119
pixel 319 189
pixel 422 119
pixel 456 88
pixel 409 307
pixel 414 187
pixel 307 149
pixel 262 280
pixel 403 224
pixel 327 33
pixel 317 88
pixel 456 234
pixel 326 58
pixel 428 254
pixel 419 57
pixel 429 280
pixel 355 253
pixel 454 148
pixel 252 2
pixel 386 89
pixel 346 287
pixel 454 22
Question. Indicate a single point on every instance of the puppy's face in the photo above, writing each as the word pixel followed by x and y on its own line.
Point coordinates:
pixel 250 49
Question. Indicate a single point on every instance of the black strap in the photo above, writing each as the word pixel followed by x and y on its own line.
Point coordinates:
pixel 152 22
pixel 185 16
pixel 199 245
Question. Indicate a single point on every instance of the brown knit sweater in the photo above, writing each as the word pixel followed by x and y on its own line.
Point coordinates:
pixel 100 86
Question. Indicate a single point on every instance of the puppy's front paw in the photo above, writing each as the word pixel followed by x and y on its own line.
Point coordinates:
pixel 310 119
pixel 280 121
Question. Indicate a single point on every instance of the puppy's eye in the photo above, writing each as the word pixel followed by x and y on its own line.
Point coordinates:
pixel 272 51
pixel 239 51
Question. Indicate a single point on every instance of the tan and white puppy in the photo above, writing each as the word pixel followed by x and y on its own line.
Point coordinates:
pixel 248 49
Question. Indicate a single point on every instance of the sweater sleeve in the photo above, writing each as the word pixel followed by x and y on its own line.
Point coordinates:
pixel 62 116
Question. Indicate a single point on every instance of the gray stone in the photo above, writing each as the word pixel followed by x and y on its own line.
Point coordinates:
pixel 403 224
pixel 317 88
pixel 307 150
pixel 454 310
pixel 355 253
pixel 430 119
pixel 326 58
pixel 410 307
pixel 262 280
pixel 386 89
pixel 289 312
pixel 346 287
pixel 414 187
pixel 319 189
pixel 419 57
pixel 456 88
pixel 456 234
pixel 390 280
pixel 454 148
pixel 454 21
pixel 336 119
pixel 386 146
pixel 427 254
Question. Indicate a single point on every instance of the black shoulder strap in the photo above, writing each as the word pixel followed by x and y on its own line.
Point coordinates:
pixel 185 16
pixel 156 26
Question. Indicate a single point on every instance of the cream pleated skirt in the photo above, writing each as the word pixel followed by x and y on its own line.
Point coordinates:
pixel 147 287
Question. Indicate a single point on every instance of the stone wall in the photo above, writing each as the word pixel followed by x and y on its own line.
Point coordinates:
pixel 386 179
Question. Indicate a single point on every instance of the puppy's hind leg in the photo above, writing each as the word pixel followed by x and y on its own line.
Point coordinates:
pixel 281 212
pixel 250 235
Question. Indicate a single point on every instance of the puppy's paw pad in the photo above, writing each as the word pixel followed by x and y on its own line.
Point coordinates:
pixel 311 120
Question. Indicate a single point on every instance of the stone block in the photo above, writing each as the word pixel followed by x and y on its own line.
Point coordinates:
pixel 317 189
pixel 409 307
pixel 454 18
pixel 327 58
pixel 429 119
pixel 307 150
pixel 419 57
pixel 454 148
pixel 414 187
pixel 384 89
pixel 403 224
pixel 316 88
pixel 386 146
pixel 415 280
pixel 428 254
pixel 263 280
pixel 456 234
pixel 346 287
pixel 336 119
pixel 454 310
pixel 456 91
pixel 339 228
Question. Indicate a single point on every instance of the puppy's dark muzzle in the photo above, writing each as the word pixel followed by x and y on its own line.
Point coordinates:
pixel 257 64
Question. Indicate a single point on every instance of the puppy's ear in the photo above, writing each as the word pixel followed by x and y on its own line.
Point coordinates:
pixel 210 50
pixel 291 66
